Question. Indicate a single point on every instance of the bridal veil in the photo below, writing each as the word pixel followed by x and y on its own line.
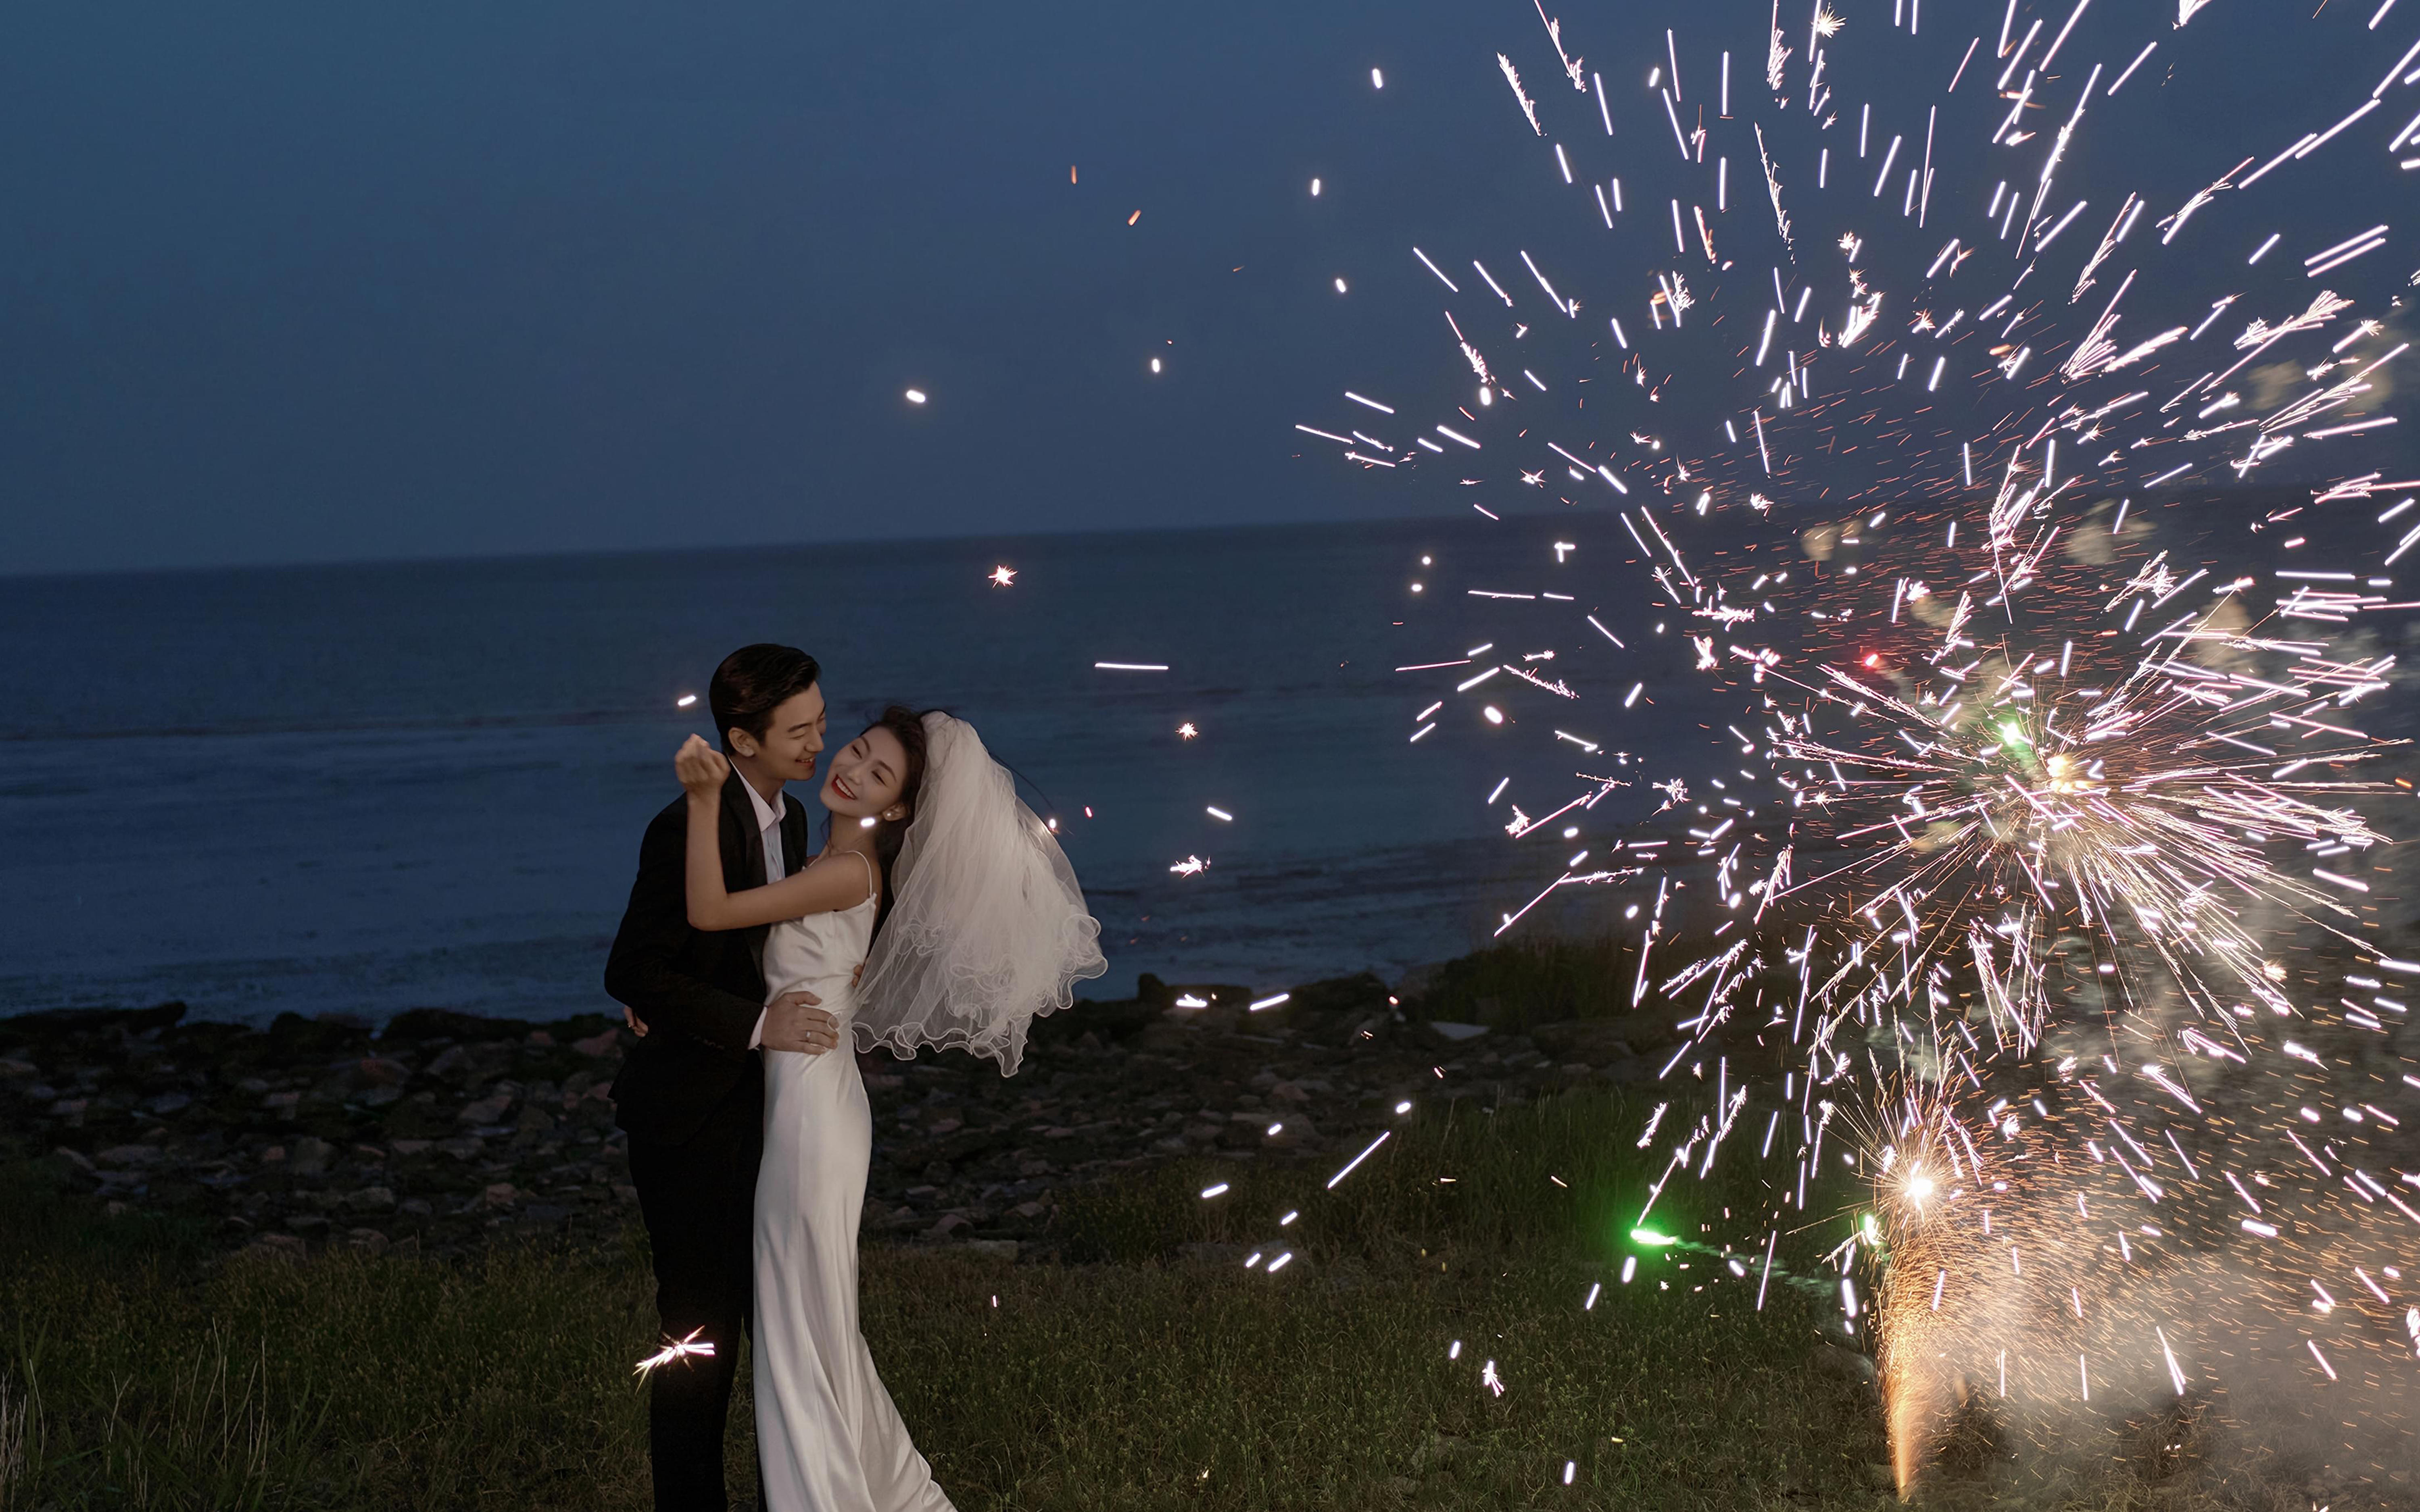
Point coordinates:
pixel 987 928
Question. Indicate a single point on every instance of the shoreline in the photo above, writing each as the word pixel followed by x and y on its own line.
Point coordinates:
pixel 442 1131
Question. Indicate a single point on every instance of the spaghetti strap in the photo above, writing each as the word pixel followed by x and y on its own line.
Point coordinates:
pixel 872 878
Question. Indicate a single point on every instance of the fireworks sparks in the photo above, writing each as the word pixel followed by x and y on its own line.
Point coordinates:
pixel 2057 814
pixel 682 1349
pixel 1001 576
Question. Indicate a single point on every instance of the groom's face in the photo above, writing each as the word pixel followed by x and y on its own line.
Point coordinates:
pixel 793 739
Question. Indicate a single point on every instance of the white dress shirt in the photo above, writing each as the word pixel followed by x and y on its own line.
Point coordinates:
pixel 768 822
pixel 769 825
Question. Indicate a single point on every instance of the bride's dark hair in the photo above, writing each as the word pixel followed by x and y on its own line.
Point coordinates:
pixel 909 725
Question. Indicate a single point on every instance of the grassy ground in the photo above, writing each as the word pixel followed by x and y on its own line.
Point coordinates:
pixel 138 1371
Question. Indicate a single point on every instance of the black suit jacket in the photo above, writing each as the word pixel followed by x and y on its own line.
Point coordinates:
pixel 698 992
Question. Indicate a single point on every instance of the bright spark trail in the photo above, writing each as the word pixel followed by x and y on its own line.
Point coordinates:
pixel 2047 859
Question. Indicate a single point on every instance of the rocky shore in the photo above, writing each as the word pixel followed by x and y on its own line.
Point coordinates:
pixel 444 1130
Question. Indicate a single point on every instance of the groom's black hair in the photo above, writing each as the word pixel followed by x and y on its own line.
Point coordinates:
pixel 751 682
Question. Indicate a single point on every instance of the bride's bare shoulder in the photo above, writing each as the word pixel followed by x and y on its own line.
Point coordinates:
pixel 829 856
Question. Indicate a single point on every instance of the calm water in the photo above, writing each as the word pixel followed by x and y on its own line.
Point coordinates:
pixel 369 788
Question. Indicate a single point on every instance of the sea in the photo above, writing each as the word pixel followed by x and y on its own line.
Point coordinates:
pixel 361 789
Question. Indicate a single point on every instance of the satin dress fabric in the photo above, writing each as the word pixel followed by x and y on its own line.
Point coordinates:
pixel 827 1434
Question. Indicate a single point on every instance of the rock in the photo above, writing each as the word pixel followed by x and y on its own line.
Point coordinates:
pixel 368 1240
pixel 281 1103
pixel 465 1146
pixel 534 1121
pixel 499 1194
pixel 486 1110
pixel 1293 1131
pixel 599 1045
pixel 15 1070
pixel 285 1247
pixel 950 1223
pixel 167 1102
pixel 130 1155
pixel 1590 1042
pixel 1102 1020
pixel 74 1157
pixel 371 1199
pixel 1446 1032
pixel 1344 994
pixel 999 1249
pixel 540 1038
pixel 445 1023
pixel 409 1147
pixel 1833 1360
pixel 311 1155
pixel 1288 1092
pixel 307 1223
pixel 380 1070
pixel 291 1034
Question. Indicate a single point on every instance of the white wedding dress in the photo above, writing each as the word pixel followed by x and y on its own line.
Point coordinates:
pixel 828 1437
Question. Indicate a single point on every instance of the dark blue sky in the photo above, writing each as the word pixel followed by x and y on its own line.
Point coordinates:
pixel 291 283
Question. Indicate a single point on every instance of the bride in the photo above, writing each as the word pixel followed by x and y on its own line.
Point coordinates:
pixel 969 923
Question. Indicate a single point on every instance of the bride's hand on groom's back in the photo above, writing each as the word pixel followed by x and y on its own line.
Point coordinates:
pixel 701 769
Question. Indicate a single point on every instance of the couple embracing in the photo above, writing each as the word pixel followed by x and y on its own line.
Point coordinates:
pixel 938 912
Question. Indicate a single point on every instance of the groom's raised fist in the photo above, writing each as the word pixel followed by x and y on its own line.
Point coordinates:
pixel 793 1022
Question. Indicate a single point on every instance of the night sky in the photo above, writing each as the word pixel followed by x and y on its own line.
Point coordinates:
pixel 284 283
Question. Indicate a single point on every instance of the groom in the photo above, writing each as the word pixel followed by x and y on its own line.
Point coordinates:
pixel 691 1093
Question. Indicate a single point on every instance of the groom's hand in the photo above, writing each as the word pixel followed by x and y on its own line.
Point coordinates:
pixel 793 1022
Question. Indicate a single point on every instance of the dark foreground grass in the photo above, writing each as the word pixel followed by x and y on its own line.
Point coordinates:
pixel 137 1370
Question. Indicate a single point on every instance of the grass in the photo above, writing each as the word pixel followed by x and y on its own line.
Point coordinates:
pixel 1538 981
pixel 141 1371
pixel 1150 1369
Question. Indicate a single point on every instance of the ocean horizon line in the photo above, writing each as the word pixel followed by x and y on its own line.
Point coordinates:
pixel 2219 495
pixel 741 547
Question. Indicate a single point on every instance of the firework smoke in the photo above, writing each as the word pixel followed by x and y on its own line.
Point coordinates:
pixel 2057 862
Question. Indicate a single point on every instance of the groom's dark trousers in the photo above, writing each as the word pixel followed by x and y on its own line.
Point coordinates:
pixel 692 1097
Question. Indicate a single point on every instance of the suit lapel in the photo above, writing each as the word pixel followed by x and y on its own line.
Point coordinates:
pixel 794 834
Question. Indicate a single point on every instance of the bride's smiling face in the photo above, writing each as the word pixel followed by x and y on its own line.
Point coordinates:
pixel 867 777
